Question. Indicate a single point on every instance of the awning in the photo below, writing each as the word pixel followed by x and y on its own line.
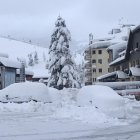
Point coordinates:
pixel 134 71
pixel 116 74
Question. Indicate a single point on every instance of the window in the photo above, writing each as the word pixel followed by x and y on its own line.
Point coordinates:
pixel 93 61
pixel 94 70
pixel 100 61
pixel 94 79
pixel 137 45
pixel 100 70
pixel 108 70
pixel 137 62
pixel 99 51
pixel 93 52
pixel 133 63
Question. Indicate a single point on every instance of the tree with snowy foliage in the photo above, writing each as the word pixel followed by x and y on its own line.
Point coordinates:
pixel 30 61
pixel 61 64
pixel 35 57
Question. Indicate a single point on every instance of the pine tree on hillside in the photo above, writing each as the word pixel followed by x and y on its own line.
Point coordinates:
pixel 61 65
pixel 35 57
pixel 30 61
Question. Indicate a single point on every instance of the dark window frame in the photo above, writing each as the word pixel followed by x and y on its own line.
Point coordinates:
pixel 99 51
pixel 100 70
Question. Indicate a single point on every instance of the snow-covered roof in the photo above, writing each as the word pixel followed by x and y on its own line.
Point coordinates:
pixel 9 63
pixel 135 71
pixel 117 46
pixel 4 55
pixel 117 49
pixel 39 70
pixel 122 53
pixel 117 60
pixel 100 44
pixel 119 74
pixel 27 72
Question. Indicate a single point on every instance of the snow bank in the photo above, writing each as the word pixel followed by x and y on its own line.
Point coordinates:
pixel 55 95
pixel 98 105
pixel 20 92
pixel 102 98
pixel 68 109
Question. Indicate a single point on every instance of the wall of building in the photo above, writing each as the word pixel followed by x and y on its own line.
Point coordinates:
pixel 100 64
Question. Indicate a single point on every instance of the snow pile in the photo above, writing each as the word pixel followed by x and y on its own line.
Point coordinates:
pixel 19 92
pixel 55 95
pixel 91 104
pixel 103 98
pixel 69 109
pixel 86 114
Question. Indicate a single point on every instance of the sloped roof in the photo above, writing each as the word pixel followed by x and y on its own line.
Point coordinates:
pixel 27 72
pixel 100 44
pixel 119 59
pixel 119 74
pixel 135 71
pixel 9 63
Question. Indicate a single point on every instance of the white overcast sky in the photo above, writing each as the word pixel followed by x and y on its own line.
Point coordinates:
pixel 34 19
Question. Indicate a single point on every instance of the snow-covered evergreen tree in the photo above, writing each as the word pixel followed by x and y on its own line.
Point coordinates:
pixel 35 57
pixel 30 61
pixel 61 65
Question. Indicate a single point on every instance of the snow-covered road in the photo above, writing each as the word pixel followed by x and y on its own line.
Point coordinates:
pixel 36 126
pixel 39 126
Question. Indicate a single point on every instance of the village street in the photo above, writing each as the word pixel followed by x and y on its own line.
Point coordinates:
pixel 42 126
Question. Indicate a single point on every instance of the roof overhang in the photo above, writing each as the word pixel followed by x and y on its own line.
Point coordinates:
pixel 116 74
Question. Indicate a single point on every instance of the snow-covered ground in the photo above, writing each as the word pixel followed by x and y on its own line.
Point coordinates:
pixel 64 119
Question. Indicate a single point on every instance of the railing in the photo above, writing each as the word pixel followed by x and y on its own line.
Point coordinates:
pixel 88 79
pixel 87 65
pixel 88 74
pixel 87 57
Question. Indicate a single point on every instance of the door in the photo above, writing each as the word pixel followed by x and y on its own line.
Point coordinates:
pixel 10 76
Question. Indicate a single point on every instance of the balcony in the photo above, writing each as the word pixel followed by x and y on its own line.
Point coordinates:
pixel 87 57
pixel 88 51
pixel 88 75
pixel 88 71
pixel 88 65
pixel 88 80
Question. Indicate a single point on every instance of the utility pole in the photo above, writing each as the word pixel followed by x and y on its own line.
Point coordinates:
pixel 22 72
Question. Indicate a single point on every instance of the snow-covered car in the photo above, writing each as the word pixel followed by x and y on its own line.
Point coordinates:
pixel 103 98
pixel 25 92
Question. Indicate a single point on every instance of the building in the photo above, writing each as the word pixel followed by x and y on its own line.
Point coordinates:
pixel 96 59
pixel 8 71
pixel 118 56
pixel 28 75
pixel 133 54
pixel 41 73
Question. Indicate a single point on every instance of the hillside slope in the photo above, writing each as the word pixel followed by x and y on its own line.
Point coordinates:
pixel 20 49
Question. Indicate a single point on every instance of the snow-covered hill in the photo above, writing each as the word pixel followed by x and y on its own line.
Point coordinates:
pixel 20 50
pixel 17 49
